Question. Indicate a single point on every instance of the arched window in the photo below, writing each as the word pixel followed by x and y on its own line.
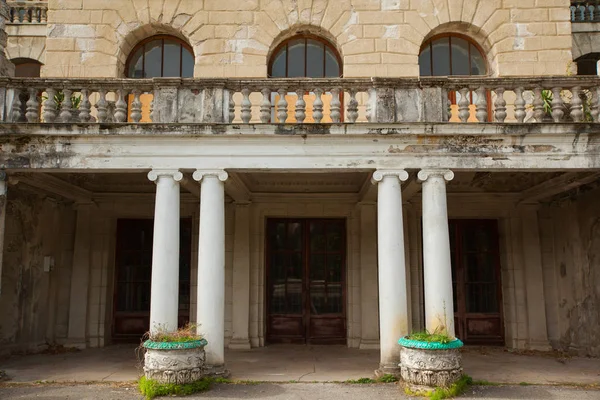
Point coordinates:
pixel 26 67
pixel 454 54
pixel 305 56
pixel 161 56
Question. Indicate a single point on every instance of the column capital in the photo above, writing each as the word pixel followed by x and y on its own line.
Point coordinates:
pixel 221 174
pixel 378 175
pixel 157 173
pixel 424 174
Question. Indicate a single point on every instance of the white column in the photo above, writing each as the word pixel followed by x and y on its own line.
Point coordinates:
pixel 437 264
pixel 211 266
pixel 241 278
pixel 164 292
pixel 3 200
pixel 393 307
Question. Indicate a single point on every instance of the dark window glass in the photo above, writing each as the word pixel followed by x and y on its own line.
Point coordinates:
pixel 460 56
pixel 315 55
pixel 451 55
pixel 441 57
pixel 305 58
pixel 161 57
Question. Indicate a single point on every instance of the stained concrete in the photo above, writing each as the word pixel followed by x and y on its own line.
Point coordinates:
pixel 304 391
pixel 286 363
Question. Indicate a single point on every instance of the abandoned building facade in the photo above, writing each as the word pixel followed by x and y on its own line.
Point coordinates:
pixel 300 171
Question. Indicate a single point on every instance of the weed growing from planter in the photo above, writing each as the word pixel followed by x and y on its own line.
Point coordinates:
pixel 181 335
pixel 456 389
pixel 151 388
pixel 434 337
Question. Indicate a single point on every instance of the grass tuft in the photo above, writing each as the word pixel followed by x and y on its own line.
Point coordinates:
pixel 151 388
pixel 182 335
pixel 456 389
pixel 430 337
pixel 359 381
pixel 387 378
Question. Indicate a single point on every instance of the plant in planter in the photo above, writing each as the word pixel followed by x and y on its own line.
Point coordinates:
pixel 430 360
pixel 174 357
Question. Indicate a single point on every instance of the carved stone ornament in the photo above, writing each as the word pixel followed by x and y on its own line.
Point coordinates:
pixel 178 364
pixel 424 369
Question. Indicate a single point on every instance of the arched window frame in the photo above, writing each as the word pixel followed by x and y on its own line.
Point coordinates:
pixel 150 39
pixel 23 61
pixel 429 43
pixel 305 37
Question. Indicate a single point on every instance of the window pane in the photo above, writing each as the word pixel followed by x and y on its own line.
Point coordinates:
pixel 278 68
pixel 441 57
pixel 332 67
pixel 478 66
pixel 460 56
pixel 136 65
pixel 153 59
pixel 315 59
pixel 296 50
pixel 172 59
pixel 425 62
pixel 188 64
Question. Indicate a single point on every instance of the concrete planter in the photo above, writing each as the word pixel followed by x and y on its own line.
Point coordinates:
pixel 178 363
pixel 425 365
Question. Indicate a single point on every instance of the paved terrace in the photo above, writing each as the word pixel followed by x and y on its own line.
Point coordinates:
pixel 286 363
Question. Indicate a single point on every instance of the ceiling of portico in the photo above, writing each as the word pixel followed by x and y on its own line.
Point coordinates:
pixel 268 182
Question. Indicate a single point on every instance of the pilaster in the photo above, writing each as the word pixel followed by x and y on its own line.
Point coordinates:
pixel 241 278
pixel 3 201
pixel 368 277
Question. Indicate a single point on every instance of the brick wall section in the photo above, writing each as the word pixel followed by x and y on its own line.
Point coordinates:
pixel 233 38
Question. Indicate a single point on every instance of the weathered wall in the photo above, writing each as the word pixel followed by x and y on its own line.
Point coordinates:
pixel 570 234
pixel 375 37
pixel 34 304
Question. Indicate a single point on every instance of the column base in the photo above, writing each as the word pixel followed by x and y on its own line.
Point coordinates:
pixel 393 370
pixel 239 344
pixel 216 371
pixel 539 345
pixel 369 344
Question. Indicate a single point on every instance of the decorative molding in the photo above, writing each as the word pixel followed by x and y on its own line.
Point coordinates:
pixel 378 175
pixel 220 174
pixel 175 174
pixel 425 174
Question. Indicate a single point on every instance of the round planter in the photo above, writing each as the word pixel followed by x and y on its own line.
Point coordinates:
pixel 178 363
pixel 425 365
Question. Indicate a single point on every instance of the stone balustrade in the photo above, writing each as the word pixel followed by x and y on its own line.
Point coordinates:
pixel 28 12
pixel 323 101
pixel 585 11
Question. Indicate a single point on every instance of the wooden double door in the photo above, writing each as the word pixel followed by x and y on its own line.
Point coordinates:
pixel 133 271
pixel 476 281
pixel 306 280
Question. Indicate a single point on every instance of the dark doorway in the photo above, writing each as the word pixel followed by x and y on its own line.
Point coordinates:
pixel 476 281
pixel 133 270
pixel 306 280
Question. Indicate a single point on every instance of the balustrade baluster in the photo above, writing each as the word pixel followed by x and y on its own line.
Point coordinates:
pixel 33 105
pixel 463 105
pixel 102 106
pixel 318 106
pixel 246 106
pixel 265 106
pixel 300 113
pixel 136 106
pixel 538 104
pixel 371 101
pixel 50 106
pixel 85 107
pixel 520 102
pixel 595 109
pixel 44 16
pixel 500 106
pixel 231 106
pixel 16 110
pixel 282 106
pixel 66 108
pixel 481 111
pixel 576 104
pixel 352 107
pixel 120 114
pixel 558 111
pixel 336 106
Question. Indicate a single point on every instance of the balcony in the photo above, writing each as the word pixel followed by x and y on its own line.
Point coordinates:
pixel 28 12
pixel 323 101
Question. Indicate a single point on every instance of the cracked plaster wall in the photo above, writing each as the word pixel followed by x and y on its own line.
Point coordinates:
pixel 233 38
pixel 34 304
pixel 570 235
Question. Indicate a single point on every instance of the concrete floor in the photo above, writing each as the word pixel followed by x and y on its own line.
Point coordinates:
pixel 285 363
